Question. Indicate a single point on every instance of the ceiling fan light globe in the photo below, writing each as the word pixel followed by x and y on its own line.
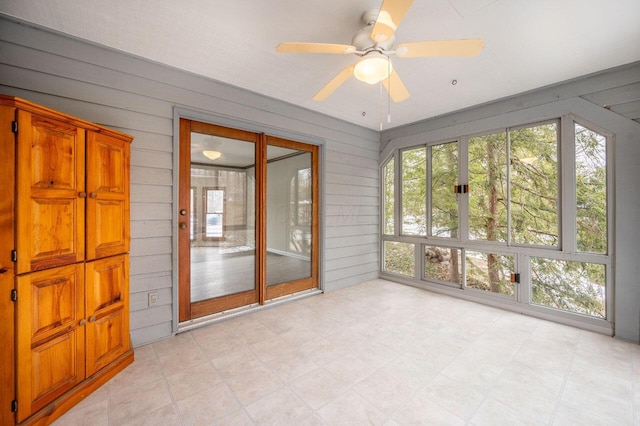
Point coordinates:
pixel 372 69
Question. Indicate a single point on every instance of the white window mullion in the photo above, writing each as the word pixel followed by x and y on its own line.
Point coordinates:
pixel 397 193
pixel 524 288
pixel 429 188
pixel 508 186
pixel 463 199
pixel 567 185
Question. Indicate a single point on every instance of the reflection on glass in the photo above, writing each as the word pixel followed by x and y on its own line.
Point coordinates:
pixel 223 212
pixel 289 215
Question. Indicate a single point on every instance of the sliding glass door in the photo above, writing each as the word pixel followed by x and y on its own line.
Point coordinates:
pixel 248 218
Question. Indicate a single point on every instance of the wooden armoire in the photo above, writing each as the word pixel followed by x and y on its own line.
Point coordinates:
pixel 64 262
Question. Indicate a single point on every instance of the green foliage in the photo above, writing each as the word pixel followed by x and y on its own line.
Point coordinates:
pixel 490 272
pixel 399 258
pixel 443 264
pixel 414 191
pixel 591 191
pixel 570 286
pixel 524 182
pixel 444 202
pixel 488 187
pixel 534 185
pixel 388 193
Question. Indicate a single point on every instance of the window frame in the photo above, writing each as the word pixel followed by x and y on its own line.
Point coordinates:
pixel 205 211
pixel 566 247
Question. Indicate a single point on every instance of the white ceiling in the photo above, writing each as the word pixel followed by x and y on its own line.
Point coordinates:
pixel 528 44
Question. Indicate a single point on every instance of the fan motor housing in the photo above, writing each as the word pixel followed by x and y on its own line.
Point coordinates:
pixel 362 39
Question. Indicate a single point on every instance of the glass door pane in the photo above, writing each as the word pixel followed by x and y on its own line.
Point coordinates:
pixel 289 215
pixel 223 251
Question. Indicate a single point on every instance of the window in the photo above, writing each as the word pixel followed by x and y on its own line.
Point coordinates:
pixel 300 211
pixel 444 202
pixel 300 196
pixel 443 264
pixel 490 272
pixel 569 286
pixel 388 202
pixel 214 213
pixel 520 233
pixel 399 258
pixel 534 196
pixel 488 187
pixel 591 190
pixel 414 191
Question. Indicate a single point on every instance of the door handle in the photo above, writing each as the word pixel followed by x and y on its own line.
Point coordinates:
pixel 183 212
pixel 183 225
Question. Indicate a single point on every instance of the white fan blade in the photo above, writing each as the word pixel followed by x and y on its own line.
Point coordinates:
pixel 395 87
pixel 334 83
pixel 339 49
pixel 469 47
pixel 391 14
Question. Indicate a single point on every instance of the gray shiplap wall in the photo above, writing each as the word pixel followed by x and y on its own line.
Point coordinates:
pixel 138 97
pixel 611 101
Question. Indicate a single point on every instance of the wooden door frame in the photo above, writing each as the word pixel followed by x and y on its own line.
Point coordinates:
pixel 186 309
pixel 261 292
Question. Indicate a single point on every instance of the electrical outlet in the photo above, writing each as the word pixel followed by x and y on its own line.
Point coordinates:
pixel 153 298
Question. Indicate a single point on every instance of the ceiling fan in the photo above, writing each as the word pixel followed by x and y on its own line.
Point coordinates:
pixel 374 43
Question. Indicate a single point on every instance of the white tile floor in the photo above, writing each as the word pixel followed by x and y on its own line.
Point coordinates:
pixel 377 353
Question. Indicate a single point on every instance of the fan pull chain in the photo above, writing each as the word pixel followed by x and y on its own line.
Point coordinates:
pixel 380 99
pixel 389 91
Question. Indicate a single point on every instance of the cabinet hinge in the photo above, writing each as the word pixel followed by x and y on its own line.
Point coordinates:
pixel 515 278
pixel 14 406
pixel 14 295
pixel 14 126
pixel 14 256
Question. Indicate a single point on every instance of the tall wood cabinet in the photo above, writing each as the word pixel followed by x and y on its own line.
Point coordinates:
pixel 64 263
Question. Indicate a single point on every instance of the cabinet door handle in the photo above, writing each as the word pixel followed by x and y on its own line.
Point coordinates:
pixel 94 195
pixel 92 318
pixel 82 194
pixel 82 322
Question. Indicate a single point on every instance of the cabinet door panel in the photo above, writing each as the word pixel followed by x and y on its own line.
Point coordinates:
pixel 54 230
pixel 108 201
pixel 107 309
pixel 50 210
pixel 50 342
